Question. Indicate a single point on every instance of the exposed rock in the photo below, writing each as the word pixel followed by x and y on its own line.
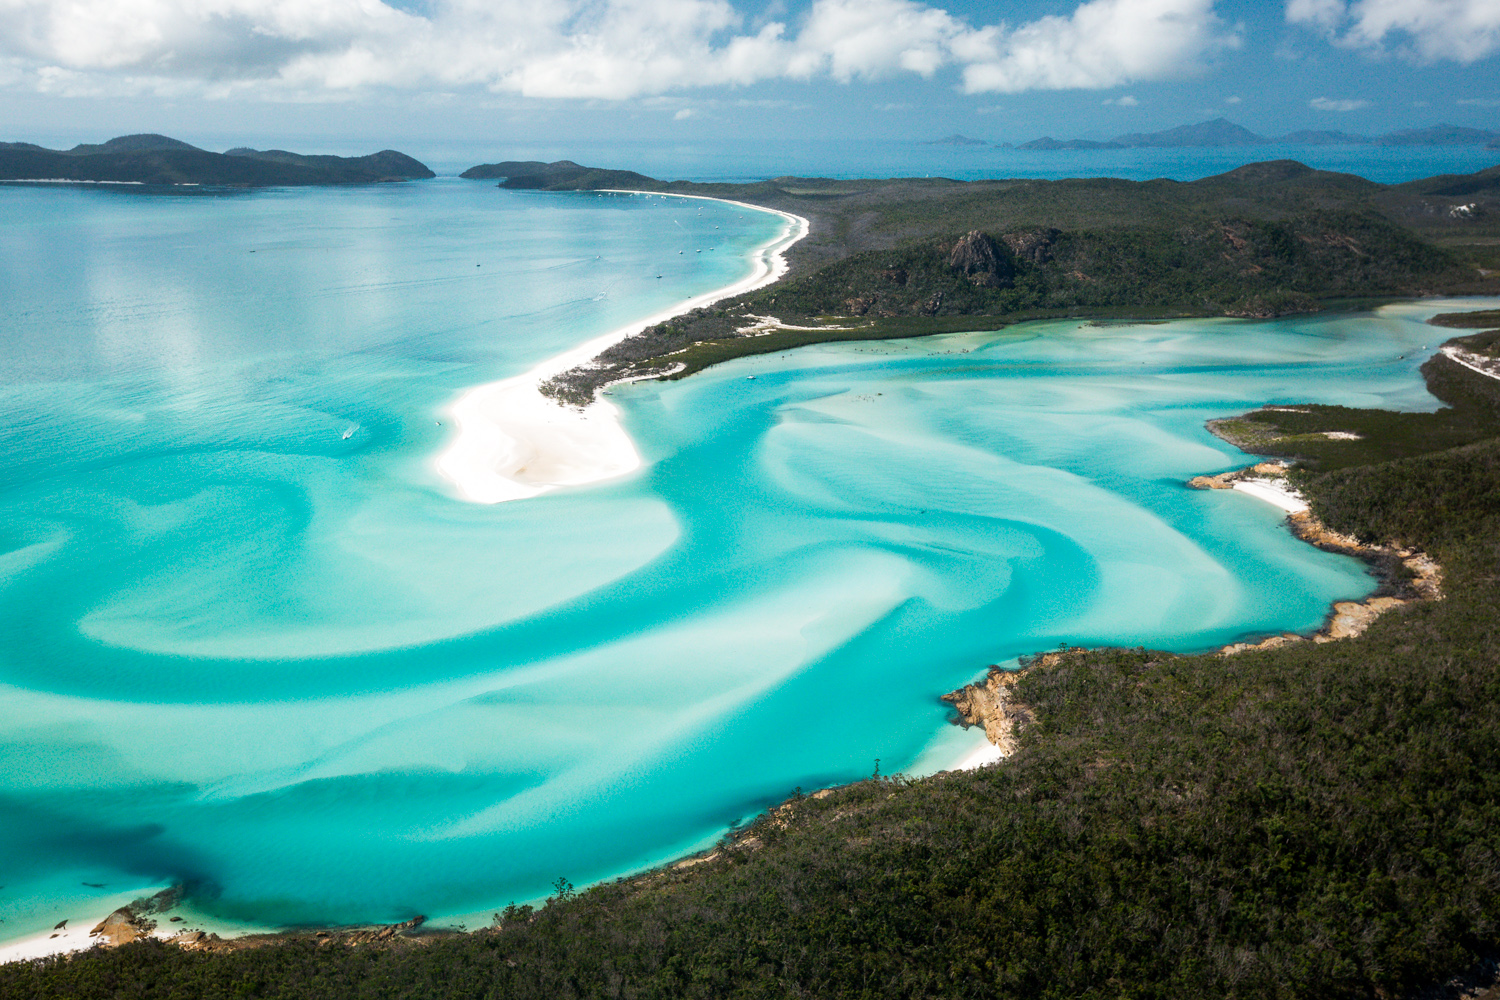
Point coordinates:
pixel 981 260
pixel 161 902
pixel 195 940
pixel 1420 579
pixel 1286 638
pixel 991 704
pixel 1350 618
pixel 1034 245
pixel 122 927
pixel 1275 471
pixel 391 930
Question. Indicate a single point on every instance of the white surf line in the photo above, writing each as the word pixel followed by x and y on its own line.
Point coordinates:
pixel 510 442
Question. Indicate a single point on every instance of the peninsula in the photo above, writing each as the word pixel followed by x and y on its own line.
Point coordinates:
pixel 161 160
pixel 907 257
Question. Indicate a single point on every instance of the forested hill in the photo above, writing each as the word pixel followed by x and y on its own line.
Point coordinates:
pixel 851 216
pixel 900 258
pixel 162 160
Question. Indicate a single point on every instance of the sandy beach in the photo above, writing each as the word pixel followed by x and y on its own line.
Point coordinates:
pixel 1273 492
pixel 980 756
pixel 510 442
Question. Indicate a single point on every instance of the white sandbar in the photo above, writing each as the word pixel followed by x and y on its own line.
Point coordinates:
pixel 510 442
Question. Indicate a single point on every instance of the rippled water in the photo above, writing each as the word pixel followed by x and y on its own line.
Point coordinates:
pixel 249 640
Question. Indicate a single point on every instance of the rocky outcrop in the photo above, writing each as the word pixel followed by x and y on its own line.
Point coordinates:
pixel 1033 245
pixel 1406 575
pixel 1226 480
pixel 991 704
pixel 122 927
pixel 982 261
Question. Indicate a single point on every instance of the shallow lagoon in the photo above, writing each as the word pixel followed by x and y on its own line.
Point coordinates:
pixel 250 640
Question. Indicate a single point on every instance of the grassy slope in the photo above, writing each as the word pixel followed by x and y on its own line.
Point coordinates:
pixel 1311 821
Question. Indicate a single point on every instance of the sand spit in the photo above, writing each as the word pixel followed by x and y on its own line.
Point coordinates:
pixel 511 442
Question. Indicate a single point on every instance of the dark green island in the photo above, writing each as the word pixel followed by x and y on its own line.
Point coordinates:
pixel 1317 820
pixel 159 160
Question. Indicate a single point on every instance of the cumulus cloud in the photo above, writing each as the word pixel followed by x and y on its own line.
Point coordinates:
pixel 1126 101
pixel 1424 30
pixel 1103 43
pixel 606 49
pixel 1330 104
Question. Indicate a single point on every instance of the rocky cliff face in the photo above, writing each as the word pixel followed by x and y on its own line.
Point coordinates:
pixel 991 703
pixel 982 261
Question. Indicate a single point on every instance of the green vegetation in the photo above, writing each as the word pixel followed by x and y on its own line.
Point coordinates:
pixel 161 160
pixel 1472 414
pixel 1264 240
pixel 1227 267
pixel 1317 820
pixel 1482 320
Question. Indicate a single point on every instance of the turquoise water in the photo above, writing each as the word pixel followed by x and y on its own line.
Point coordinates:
pixel 251 642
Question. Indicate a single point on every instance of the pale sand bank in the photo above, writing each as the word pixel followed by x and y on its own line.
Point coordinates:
pixel 89 915
pixel 75 937
pixel 510 442
pixel 988 753
pixel 1273 492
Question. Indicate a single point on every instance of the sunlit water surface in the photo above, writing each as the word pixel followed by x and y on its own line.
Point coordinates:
pixel 251 642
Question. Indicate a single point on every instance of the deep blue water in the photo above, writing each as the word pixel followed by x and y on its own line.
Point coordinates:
pixel 250 640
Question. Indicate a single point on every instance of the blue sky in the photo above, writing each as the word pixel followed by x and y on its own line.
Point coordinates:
pixel 694 70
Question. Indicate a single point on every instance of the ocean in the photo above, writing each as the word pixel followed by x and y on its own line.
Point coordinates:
pixel 252 643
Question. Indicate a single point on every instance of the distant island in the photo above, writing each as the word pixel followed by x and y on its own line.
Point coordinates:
pixel 562 175
pixel 956 140
pixel 1223 132
pixel 161 160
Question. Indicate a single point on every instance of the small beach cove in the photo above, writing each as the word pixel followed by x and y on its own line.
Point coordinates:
pixel 652 654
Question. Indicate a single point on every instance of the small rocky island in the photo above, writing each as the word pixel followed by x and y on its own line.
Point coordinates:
pixel 161 160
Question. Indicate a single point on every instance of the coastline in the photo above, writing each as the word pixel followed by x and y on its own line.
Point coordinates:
pixel 511 442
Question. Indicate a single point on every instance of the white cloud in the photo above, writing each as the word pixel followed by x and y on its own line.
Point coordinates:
pixel 1123 102
pixel 605 49
pixel 1480 102
pixel 1233 100
pixel 1104 43
pixel 1423 30
pixel 1330 104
